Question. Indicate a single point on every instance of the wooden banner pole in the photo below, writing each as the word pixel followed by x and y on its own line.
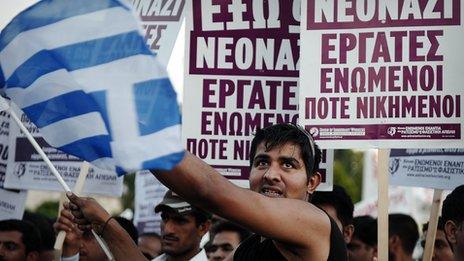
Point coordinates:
pixel 382 210
pixel 433 222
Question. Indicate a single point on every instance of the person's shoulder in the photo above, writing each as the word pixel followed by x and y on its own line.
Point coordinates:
pixel 201 256
pixel 161 257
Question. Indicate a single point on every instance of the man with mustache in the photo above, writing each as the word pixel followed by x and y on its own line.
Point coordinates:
pixel 182 227
pixel 284 164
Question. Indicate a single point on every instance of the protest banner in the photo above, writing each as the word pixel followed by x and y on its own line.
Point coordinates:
pixel 12 202
pixel 382 74
pixel 242 68
pixel 148 193
pixel 428 168
pixel 161 21
pixel 27 170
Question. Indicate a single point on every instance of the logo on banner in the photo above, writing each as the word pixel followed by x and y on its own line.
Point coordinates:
pixel 391 131
pixel 393 165
pixel 314 131
pixel 20 170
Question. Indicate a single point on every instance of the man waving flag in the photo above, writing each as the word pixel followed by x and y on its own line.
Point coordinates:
pixel 82 73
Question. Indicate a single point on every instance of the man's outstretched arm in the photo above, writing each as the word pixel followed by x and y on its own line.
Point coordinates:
pixel 288 221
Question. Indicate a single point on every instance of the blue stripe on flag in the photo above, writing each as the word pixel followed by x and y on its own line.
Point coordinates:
pixel 2 78
pixel 60 107
pixel 47 12
pixel 154 100
pixel 100 99
pixel 90 149
pixel 78 56
pixel 166 162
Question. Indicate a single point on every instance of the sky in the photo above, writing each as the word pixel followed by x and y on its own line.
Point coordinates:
pixel 10 8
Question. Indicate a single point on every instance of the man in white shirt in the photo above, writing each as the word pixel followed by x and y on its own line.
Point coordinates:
pixel 182 227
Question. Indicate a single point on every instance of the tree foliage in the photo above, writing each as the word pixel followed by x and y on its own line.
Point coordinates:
pixel 348 172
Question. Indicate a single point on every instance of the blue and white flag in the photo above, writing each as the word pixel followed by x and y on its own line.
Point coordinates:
pixel 82 73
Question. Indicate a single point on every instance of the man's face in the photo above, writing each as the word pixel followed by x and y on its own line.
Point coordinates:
pixel 224 243
pixel 279 172
pixel 11 246
pixel 442 250
pixel 90 250
pixel 179 233
pixel 359 251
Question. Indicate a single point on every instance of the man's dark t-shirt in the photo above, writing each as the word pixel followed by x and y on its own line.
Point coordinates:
pixel 255 249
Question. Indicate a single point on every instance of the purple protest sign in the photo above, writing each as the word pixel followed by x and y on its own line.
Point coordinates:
pixel 383 72
pixel 241 74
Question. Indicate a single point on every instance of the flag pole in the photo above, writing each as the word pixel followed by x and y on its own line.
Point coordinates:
pixel 5 106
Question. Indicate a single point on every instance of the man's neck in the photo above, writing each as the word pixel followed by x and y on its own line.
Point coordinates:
pixel 186 256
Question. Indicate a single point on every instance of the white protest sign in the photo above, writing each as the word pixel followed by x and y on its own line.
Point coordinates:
pixel 161 21
pixel 428 168
pixel 148 193
pixel 242 68
pixel 27 170
pixel 382 74
pixel 12 202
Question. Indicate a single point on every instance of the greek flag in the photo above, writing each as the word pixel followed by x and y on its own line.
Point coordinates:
pixel 82 73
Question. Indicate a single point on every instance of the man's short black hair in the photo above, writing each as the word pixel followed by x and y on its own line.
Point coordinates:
pixel 440 225
pixel 339 199
pixel 200 217
pixel 365 230
pixel 282 133
pixel 452 206
pixel 221 226
pixel 406 229
pixel 129 227
pixel 45 227
pixel 30 235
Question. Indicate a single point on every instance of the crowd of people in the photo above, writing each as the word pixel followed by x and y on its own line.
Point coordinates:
pixel 281 216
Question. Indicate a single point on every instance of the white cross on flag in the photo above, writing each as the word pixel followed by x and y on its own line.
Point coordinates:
pixel 82 73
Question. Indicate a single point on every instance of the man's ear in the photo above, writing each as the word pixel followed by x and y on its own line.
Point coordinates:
pixel 348 233
pixel 313 182
pixel 450 231
pixel 33 256
pixel 204 227
pixel 394 242
pixel 374 258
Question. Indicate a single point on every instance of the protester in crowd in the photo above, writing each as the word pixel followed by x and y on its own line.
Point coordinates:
pixel 182 227
pixel 45 228
pixel 226 236
pixel 150 245
pixel 19 240
pixel 363 245
pixel 441 249
pixel 338 204
pixel 403 236
pixel 453 217
pixel 284 162
pixel 82 245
